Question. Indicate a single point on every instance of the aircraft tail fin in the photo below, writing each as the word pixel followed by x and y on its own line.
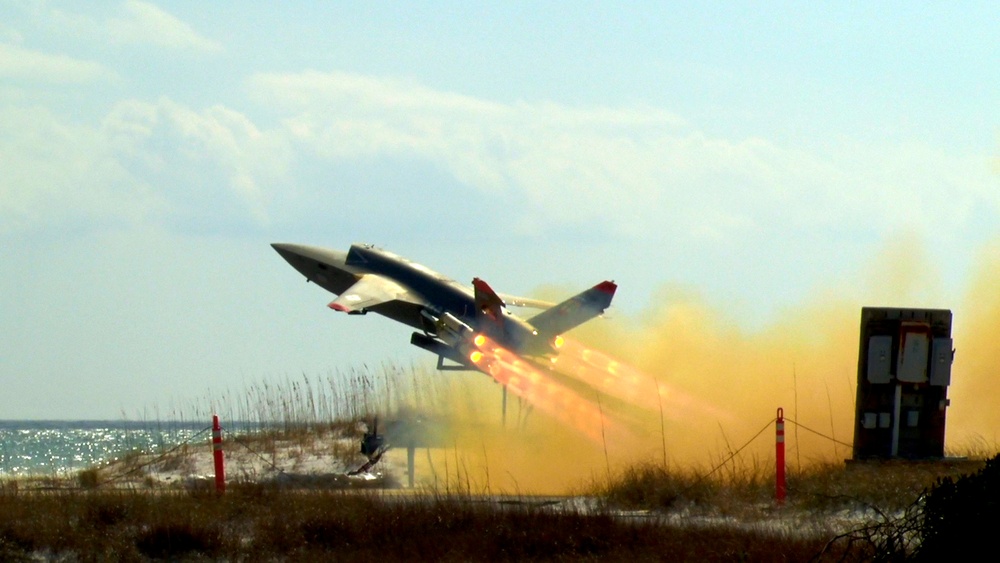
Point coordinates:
pixel 488 303
pixel 576 310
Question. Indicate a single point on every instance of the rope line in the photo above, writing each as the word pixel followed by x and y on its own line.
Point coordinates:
pixel 737 452
pixel 757 435
pixel 274 466
pixel 820 434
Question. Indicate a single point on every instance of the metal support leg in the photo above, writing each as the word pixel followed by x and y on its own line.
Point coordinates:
pixel 409 463
pixel 505 406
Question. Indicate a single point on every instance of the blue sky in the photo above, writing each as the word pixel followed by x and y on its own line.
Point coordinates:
pixel 757 155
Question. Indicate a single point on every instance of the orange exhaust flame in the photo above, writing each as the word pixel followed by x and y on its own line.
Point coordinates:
pixel 622 381
pixel 539 390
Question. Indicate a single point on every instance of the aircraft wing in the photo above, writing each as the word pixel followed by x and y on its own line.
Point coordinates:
pixel 371 291
pixel 575 310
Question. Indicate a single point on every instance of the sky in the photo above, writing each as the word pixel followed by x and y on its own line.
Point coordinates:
pixel 755 157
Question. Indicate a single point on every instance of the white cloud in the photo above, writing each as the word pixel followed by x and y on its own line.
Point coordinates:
pixel 56 172
pixel 637 170
pixel 19 63
pixel 143 22
pixel 134 23
pixel 9 34
pixel 210 162
pixel 160 162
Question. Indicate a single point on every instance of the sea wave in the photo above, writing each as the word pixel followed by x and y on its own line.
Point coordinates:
pixel 58 447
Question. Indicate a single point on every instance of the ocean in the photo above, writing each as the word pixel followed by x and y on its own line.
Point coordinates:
pixel 58 447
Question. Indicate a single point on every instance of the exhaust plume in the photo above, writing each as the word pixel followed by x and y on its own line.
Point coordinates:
pixel 697 385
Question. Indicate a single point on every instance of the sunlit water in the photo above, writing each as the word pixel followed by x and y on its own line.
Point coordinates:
pixel 50 448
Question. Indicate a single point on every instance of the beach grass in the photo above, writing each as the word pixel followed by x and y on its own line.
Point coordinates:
pixel 645 512
pixel 261 523
pixel 726 512
pixel 886 486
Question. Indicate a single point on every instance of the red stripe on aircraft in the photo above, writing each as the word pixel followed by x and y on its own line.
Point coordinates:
pixel 607 287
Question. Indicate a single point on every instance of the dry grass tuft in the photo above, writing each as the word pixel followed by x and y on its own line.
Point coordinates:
pixel 885 486
pixel 266 524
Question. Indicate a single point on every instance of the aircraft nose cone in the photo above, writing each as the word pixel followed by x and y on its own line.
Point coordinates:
pixel 288 250
pixel 292 253
pixel 311 261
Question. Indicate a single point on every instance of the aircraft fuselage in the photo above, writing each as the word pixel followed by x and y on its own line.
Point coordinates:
pixel 450 315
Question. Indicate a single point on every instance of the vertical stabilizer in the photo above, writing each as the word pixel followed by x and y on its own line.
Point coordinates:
pixel 488 303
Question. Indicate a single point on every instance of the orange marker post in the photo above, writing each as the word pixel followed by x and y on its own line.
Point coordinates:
pixel 220 465
pixel 780 487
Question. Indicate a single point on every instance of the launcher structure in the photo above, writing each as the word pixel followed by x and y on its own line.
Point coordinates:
pixel 904 369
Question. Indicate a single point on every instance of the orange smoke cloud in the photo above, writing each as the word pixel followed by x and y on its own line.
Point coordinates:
pixel 974 419
pixel 697 384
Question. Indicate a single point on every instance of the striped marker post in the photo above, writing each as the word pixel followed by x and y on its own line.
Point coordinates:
pixel 220 465
pixel 780 487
